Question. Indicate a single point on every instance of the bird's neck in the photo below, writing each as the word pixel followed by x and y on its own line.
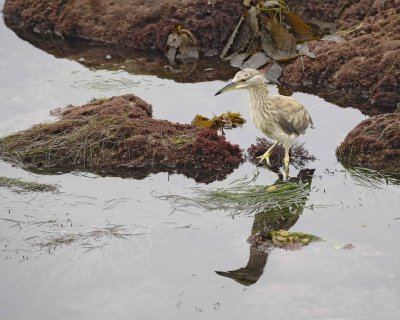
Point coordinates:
pixel 258 95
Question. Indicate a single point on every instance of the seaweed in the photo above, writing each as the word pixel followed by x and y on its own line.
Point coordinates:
pixel 20 185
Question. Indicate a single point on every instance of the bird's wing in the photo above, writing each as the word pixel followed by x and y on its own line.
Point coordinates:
pixel 290 114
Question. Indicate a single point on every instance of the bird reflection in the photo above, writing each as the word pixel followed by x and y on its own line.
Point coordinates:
pixel 264 222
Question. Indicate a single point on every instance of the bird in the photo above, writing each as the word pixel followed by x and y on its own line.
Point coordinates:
pixel 280 118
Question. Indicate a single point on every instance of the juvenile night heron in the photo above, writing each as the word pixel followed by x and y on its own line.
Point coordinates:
pixel 280 118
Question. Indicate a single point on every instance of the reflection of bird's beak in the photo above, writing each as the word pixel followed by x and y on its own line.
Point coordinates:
pixel 229 86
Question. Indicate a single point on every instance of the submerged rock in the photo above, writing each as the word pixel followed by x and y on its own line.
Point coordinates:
pixel 374 144
pixel 118 136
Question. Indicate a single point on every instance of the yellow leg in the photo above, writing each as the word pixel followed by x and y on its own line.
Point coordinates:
pixel 267 154
pixel 287 159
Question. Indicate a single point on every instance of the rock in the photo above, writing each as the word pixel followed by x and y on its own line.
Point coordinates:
pixel 118 136
pixel 182 46
pixel 274 73
pixel 237 59
pixel 333 38
pixel 256 61
pixel 304 50
pixel 328 10
pixel 135 62
pixel 135 24
pixel 374 144
pixel 363 70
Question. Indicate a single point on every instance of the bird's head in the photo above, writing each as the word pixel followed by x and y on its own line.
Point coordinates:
pixel 244 79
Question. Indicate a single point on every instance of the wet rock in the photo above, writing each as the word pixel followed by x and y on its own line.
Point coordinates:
pixel 118 136
pixel 374 144
pixel 238 59
pixel 256 61
pixel 304 50
pixel 364 70
pixel 182 46
pixel 273 73
pixel 136 24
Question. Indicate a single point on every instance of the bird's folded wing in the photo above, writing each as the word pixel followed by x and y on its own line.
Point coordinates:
pixel 290 115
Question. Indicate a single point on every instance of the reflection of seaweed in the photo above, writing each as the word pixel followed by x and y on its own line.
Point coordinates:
pixel 106 84
pixel 88 240
pixel 244 197
pixel 48 235
pixel 372 178
pixel 19 185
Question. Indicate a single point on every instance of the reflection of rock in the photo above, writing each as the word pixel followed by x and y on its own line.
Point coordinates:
pixel 374 144
pixel 93 55
pixel 361 72
pixel 118 136
pixel 264 222
pixel 136 24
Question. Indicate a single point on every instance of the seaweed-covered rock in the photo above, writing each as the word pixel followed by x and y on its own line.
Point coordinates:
pixel 364 70
pixel 299 156
pixel 137 24
pixel 118 136
pixel 328 10
pixel 374 143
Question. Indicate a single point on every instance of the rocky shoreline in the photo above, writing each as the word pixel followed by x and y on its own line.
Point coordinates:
pixel 359 67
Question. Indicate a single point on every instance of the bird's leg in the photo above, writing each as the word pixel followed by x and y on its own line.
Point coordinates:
pixel 267 154
pixel 286 160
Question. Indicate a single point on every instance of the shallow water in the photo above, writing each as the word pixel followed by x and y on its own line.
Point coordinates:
pixel 165 268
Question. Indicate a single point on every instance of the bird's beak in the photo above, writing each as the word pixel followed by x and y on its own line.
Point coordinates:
pixel 230 86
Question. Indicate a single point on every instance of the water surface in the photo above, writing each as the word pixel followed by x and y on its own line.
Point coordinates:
pixel 166 268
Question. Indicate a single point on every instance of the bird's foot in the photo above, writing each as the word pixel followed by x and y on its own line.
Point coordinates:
pixel 265 157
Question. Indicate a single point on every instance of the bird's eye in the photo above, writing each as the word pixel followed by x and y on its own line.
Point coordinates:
pixel 243 80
